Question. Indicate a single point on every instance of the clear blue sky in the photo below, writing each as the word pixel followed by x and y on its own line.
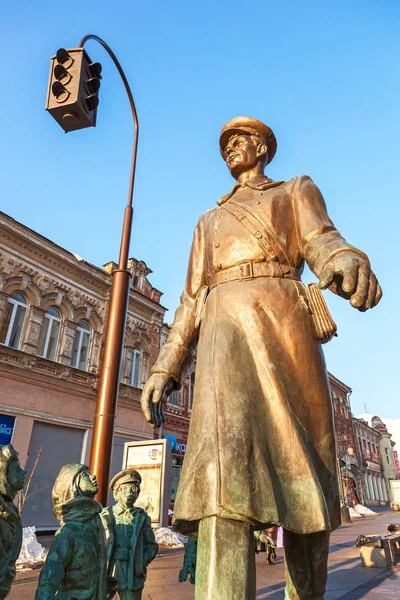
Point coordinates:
pixel 324 75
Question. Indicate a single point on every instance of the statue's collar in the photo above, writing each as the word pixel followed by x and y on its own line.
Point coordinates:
pixel 118 509
pixel 259 182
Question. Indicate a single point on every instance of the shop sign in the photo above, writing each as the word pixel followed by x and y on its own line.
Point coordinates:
pixel 6 429
pixel 373 466
pixel 153 461
pixel 176 446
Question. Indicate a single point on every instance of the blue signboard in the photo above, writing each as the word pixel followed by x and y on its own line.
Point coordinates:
pixel 172 439
pixel 6 429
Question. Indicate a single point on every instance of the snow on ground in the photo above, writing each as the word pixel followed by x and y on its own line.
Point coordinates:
pixel 363 510
pixel 167 537
pixel 31 551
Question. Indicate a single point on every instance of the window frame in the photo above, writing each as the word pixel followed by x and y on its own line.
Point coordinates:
pixel 81 332
pixel 136 352
pixel 15 304
pixel 51 318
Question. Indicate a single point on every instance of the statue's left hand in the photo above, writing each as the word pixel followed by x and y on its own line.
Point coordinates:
pixel 185 573
pixel 350 276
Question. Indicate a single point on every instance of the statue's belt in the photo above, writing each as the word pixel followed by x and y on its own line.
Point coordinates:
pixel 251 270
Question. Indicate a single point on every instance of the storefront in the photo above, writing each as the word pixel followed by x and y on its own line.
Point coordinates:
pixel 178 449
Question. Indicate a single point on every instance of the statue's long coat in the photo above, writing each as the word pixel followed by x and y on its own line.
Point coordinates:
pixel 261 441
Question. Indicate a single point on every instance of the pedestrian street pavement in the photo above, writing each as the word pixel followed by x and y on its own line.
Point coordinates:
pixel 347 580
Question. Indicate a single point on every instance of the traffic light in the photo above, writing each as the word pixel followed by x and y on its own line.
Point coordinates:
pixel 73 91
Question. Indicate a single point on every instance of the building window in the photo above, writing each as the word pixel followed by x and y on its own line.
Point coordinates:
pixel 136 368
pixel 80 350
pixel 191 389
pixel 49 333
pixel 13 320
pixel 174 398
pixel 133 366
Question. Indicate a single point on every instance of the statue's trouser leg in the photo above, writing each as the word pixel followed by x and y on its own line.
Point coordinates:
pixel 306 565
pixel 226 566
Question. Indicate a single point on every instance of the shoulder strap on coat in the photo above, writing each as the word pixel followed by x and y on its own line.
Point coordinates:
pixel 267 240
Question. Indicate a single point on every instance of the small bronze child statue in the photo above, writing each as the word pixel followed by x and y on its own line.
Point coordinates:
pixel 130 540
pixel 76 565
pixel 12 479
pixel 188 570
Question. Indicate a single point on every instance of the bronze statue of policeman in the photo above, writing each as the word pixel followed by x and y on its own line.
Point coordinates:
pixel 261 449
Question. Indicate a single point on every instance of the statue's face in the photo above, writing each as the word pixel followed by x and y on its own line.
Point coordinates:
pixel 87 484
pixel 126 495
pixel 16 475
pixel 242 153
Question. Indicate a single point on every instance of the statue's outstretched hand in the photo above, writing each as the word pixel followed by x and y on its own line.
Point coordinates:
pixel 158 387
pixel 350 276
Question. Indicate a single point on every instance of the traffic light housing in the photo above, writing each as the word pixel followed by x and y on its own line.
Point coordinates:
pixel 73 90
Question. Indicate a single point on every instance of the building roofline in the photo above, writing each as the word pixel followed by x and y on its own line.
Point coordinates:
pixel 75 260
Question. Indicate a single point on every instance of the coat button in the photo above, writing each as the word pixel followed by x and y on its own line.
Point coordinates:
pixel 219 266
pixel 258 202
pixel 217 245
pixel 218 217
pixel 260 193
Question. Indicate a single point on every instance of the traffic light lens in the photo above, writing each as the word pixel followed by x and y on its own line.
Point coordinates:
pixel 70 118
pixel 91 102
pixel 92 85
pixel 95 69
pixel 61 73
pixel 59 91
pixel 64 58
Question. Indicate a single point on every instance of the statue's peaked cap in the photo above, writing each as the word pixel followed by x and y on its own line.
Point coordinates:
pixel 249 126
pixel 125 476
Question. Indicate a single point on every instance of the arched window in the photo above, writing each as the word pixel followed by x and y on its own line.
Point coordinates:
pixel 80 350
pixel 134 366
pixel 13 320
pixel 49 333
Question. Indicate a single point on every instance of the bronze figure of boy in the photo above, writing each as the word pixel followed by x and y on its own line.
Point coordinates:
pixel 12 479
pixel 76 564
pixel 261 448
pixel 130 540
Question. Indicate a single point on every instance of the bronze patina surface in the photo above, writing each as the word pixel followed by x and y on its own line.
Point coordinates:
pixel 75 566
pixel 12 479
pixel 261 447
pixel 131 545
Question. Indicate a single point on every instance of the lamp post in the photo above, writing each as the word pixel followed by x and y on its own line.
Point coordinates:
pixel 72 100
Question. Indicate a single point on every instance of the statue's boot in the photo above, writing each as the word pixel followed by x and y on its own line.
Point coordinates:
pixel 226 566
pixel 306 565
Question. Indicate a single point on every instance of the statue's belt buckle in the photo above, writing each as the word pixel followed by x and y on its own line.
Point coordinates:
pixel 246 271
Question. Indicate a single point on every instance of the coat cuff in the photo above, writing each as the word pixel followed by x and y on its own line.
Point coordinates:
pixel 170 361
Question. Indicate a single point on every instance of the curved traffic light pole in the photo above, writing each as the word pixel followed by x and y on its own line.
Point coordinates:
pixel 107 398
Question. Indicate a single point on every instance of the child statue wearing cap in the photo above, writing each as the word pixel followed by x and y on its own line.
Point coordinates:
pixel 130 540
pixel 76 565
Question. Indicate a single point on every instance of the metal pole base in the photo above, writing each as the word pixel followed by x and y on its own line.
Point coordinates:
pixel 345 514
